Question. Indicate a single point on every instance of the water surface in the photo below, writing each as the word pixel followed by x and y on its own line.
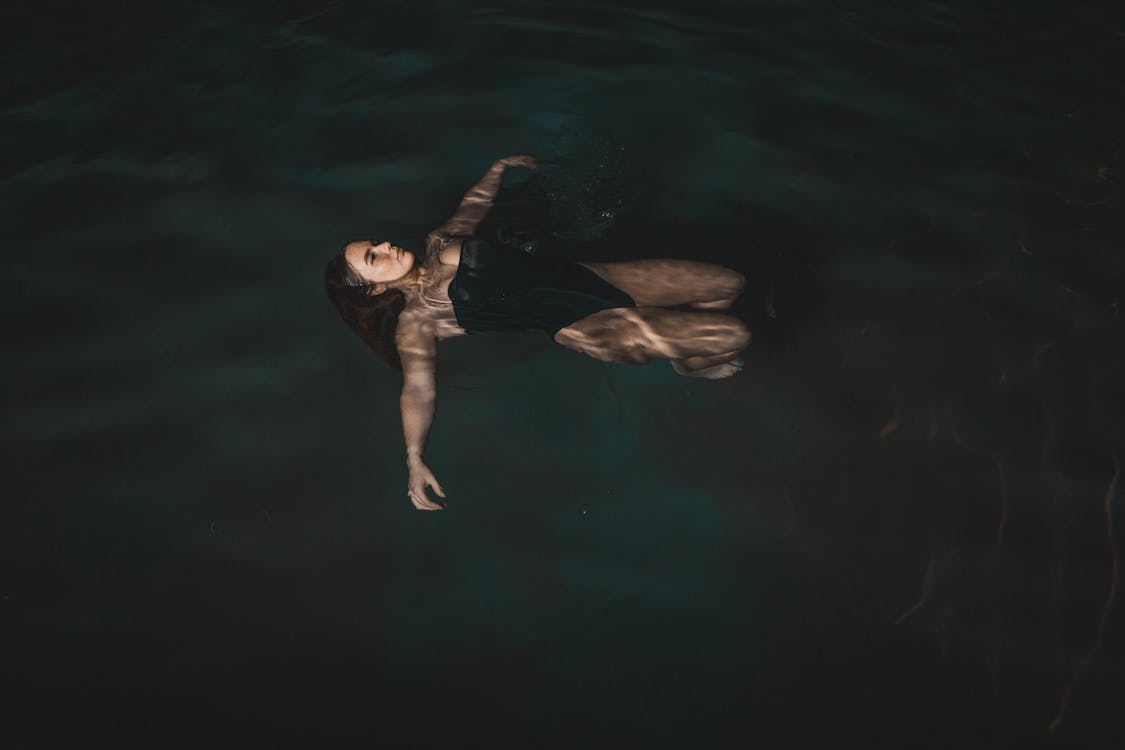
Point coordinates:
pixel 897 525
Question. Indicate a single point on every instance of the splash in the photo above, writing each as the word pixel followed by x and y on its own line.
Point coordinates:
pixel 577 193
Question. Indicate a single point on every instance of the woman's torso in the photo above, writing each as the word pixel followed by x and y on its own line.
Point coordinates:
pixel 562 291
pixel 442 316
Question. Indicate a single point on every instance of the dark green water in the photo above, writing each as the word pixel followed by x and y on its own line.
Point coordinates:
pixel 897 527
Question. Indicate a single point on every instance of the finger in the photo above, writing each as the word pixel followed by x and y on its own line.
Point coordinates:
pixel 424 503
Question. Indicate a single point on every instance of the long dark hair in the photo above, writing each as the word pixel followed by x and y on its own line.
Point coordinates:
pixel 373 318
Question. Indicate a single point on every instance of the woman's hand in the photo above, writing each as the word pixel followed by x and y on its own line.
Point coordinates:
pixel 522 160
pixel 420 477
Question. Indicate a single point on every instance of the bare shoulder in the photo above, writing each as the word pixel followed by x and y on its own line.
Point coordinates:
pixel 413 323
pixel 450 255
pixel 447 246
pixel 438 239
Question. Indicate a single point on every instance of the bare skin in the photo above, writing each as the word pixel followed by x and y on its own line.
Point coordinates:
pixel 701 343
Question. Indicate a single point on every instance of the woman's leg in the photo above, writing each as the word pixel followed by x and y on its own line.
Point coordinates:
pixel 699 363
pixel 670 282
pixel 636 335
pixel 719 304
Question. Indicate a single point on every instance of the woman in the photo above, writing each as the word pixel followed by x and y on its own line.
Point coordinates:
pixel 614 312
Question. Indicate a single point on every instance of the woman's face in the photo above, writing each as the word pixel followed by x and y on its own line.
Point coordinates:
pixel 380 263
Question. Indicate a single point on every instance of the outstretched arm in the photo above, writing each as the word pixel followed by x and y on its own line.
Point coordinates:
pixel 417 348
pixel 478 201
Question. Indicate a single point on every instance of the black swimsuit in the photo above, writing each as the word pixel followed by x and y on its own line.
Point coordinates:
pixel 497 288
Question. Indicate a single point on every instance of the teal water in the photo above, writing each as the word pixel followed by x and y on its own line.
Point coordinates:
pixel 899 524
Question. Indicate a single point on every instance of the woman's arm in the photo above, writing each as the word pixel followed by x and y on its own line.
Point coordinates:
pixel 417 416
pixel 418 409
pixel 417 348
pixel 478 201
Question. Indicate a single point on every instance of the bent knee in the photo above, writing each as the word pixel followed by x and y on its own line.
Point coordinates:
pixel 740 335
pixel 615 335
pixel 735 285
pixel 726 292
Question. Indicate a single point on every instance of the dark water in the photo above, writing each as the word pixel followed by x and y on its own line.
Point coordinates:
pixel 897 525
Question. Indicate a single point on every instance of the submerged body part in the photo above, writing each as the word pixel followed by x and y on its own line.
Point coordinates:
pixel 497 288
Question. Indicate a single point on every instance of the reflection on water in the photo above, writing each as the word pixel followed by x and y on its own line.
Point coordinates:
pixel 900 523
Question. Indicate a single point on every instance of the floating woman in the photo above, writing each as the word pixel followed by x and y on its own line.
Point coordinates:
pixel 614 312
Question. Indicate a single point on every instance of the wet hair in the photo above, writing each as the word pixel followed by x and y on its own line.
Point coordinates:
pixel 373 318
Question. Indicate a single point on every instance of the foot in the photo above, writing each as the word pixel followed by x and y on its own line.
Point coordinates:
pixel 714 372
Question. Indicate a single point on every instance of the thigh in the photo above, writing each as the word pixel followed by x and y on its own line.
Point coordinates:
pixel 636 335
pixel 668 282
